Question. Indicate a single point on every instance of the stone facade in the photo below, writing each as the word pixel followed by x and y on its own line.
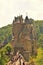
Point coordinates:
pixel 24 36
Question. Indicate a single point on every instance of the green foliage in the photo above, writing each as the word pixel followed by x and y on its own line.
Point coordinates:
pixel 39 58
pixel 3 57
pixel 5 32
pixel 8 48
pixel 1 63
pixel 38 24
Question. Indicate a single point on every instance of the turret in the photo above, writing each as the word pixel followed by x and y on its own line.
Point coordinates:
pixel 27 20
pixel 18 19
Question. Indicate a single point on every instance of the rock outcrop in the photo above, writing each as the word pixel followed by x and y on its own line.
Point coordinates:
pixel 18 59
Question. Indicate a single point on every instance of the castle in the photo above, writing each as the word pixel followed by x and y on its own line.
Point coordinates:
pixel 24 36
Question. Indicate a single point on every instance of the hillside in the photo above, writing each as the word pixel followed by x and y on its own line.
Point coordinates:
pixel 39 29
pixel 6 32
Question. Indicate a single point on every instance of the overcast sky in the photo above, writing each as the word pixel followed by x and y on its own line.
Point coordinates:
pixel 11 8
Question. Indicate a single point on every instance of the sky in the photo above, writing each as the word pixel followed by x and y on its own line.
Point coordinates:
pixel 11 8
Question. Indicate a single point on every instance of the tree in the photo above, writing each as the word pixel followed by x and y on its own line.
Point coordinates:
pixel 8 48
